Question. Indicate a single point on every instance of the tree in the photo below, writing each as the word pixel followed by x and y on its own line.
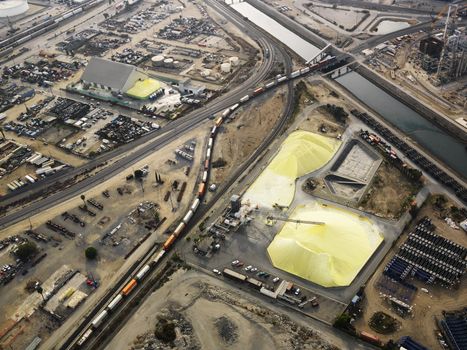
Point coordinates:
pixel 26 251
pixel 91 253
pixel 83 197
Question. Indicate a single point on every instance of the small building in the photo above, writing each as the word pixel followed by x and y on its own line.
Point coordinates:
pixel 186 87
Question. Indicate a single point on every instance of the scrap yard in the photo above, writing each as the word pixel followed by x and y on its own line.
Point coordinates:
pixel 233 175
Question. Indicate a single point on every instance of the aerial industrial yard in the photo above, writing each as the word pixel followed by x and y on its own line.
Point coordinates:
pixel 233 174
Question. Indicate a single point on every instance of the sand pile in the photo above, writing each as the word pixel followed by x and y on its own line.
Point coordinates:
pixel 301 153
pixel 330 254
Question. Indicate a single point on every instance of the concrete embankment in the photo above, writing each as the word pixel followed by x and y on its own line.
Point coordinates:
pixel 443 122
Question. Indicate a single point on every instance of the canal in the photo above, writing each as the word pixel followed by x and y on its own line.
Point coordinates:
pixel 442 145
pixel 439 143
pixel 301 47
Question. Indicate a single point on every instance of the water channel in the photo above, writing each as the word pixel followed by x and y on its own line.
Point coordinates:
pixel 444 146
pixel 301 47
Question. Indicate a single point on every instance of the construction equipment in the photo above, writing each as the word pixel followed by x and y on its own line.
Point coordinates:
pixel 271 217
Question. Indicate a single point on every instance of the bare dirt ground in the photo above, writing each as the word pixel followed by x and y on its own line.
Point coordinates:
pixel 239 138
pixel 389 194
pixel 426 306
pixel 209 316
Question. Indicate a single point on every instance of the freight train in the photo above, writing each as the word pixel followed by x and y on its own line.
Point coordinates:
pixel 139 276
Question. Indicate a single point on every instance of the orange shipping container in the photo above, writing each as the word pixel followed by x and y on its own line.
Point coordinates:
pixel 169 242
pixel 201 189
pixel 129 287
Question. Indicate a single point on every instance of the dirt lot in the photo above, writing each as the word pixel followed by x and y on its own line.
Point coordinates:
pixel 244 134
pixel 426 306
pixel 389 194
pixel 209 316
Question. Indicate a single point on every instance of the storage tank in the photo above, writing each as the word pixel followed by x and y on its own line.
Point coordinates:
pixel 10 8
pixel 158 60
pixel 169 62
pixel 206 73
pixel 234 61
pixel 225 67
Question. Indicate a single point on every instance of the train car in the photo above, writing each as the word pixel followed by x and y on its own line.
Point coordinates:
pixel 295 74
pixel 188 217
pixel 305 70
pixel 281 79
pixel 140 275
pixel 225 113
pixel 270 85
pixel 85 337
pixel 258 91
pixel 219 121
pixel 179 229
pixel 244 99
pixel 129 287
pixel 158 257
pixel 206 164
pixel 205 176
pixel 213 130
pixel 208 153
pixel 169 242
pixel 195 205
pixel 210 142
pixel 114 303
pixel 201 190
pixel 234 107
pixel 97 321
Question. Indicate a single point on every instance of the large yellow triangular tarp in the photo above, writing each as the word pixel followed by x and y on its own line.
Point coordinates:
pixel 331 254
pixel 301 153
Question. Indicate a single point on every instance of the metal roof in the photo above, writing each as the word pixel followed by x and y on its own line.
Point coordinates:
pixel 108 73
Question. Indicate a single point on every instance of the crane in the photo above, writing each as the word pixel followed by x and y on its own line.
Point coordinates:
pixel 271 217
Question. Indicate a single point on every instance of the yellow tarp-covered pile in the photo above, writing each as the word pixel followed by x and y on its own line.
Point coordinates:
pixel 143 89
pixel 331 254
pixel 302 152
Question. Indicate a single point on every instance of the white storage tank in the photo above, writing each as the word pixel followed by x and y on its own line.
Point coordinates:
pixel 169 62
pixel 177 64
pixel 158 60
pixel 10 8
pixel 205 72
pixel 234 61
pixel 225 67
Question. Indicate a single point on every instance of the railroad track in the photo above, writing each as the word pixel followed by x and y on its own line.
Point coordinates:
pixel 75 336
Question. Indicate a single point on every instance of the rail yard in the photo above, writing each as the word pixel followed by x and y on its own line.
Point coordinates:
pixel 287 174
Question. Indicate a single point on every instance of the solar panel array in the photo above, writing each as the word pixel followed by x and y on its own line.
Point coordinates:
pixel 428 257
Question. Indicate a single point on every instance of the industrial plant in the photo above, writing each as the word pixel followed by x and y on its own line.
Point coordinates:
pixel 226 174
